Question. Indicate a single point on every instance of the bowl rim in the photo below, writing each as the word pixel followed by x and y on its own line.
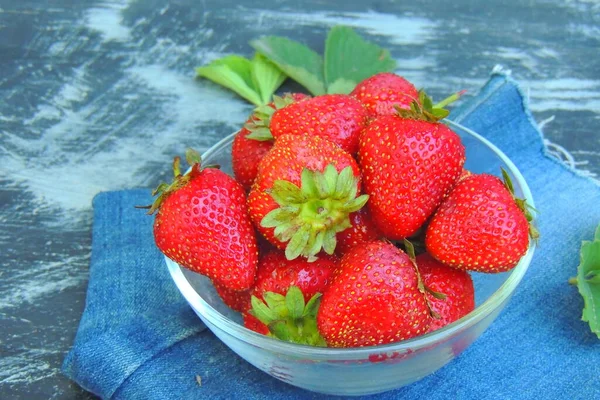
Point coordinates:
pixel 494 301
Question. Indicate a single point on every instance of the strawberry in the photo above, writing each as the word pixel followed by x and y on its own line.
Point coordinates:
pixel 202 223
pixel 254 140
pixel 408 166
pixel 383 92
pixel 237 300
pixel 245 156
pixel 277 274
pixel 304 191
pixel 362 229
pixel 254 324
pixel 455 285
pixel 337 117
pixel 374 298
pixel 481 226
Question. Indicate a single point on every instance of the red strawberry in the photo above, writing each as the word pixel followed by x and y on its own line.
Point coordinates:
pixel 373 299
pixel 237 300
pixel 245 156
pixel 254 324
pixel 277 274
pixel 382 92
pixel 480 226
pixel 455 285
pixel 408 166
pixel 254 140
pixel 337 117
pixel 202 223
pixel 304 191
pixel 362 230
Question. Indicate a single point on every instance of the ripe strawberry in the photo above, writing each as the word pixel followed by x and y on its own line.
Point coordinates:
pixel 480 226
pixel 202 223
pixel 245 156
pixel 362 230
pixel 408 166
pixel 304 191
pixel 254 140
pixel 456 286
pixel 277 274
pixel 373 299
pixel 382 92
pixel 254 324
pixel 336 117
pixel 237 300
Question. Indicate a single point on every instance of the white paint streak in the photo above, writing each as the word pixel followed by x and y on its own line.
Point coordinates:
pixel 402 30
pixel 567 94
pixel 27 367
pixel 42 278
pixel 107 19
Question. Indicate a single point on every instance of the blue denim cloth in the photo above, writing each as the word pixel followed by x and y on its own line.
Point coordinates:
pixel 138 338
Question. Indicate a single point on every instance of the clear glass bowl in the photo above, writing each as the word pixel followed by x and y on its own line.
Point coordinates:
pixel 366 370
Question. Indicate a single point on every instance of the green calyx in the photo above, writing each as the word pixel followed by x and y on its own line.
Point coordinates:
pixel 288 317
pixel 163 190
pixel 259 126
pixel 423 109
pixel 522 204
pixel 310 216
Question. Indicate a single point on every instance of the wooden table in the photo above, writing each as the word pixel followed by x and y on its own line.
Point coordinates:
pixel 100 95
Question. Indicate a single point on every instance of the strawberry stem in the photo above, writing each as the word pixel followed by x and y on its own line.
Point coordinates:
pixel 450 99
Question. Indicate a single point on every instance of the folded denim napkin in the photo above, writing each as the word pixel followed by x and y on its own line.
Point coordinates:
pixel 139 339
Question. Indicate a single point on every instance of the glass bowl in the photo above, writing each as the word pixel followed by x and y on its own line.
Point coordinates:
pixel 366 370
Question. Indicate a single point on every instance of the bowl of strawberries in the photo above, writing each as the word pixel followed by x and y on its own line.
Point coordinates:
pixel 348 244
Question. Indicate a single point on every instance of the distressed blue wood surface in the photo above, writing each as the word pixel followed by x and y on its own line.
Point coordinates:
pixel 100 95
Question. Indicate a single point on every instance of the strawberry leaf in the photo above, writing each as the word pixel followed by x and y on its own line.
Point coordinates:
pixel 588 281
pixel 267 77
pixel 349 59
pixel 341 85
pixel 235 73
pixel 255 80
pixel 302 64
pixel 294 300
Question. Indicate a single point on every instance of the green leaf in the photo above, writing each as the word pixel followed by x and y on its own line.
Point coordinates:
pixel 260 134
pixel 331 175
pixel 588 282
pixel 281 330
pixel 285 192
pixel 261 311
pixel 275 218
pixel 299 62
pixel 266 76
pixel 298 242
pixel 356 204
pixel 314 245
pixel 276 303
pixel 312 306
pixel 351 58
pixel 294 300
pixel 329 242
pixel 235 73
pixel 341 86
